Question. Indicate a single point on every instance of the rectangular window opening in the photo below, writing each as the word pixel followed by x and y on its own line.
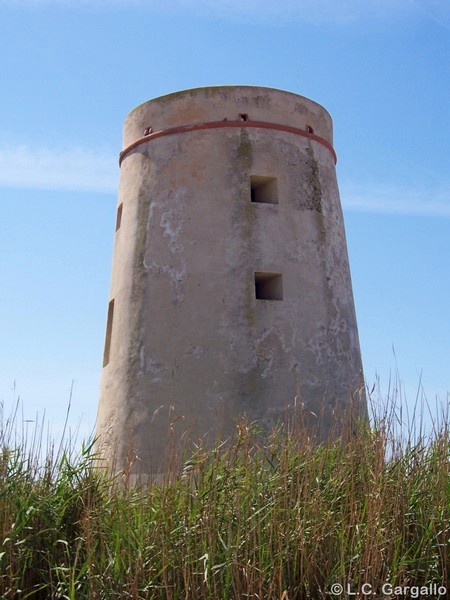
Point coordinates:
pixel 268 286
pixel 119 215
pixel 263 189
pixel 109 325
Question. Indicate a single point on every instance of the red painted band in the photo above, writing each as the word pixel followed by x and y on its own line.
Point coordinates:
pixel 219 124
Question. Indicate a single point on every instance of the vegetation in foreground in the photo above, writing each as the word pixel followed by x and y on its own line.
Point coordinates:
pixel 281 519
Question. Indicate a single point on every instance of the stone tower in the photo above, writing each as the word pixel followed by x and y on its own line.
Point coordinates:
pixel 231 291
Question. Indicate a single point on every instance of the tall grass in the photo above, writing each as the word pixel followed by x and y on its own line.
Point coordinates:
pixel 281 518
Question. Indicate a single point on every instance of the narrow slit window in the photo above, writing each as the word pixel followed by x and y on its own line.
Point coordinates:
pixel 119 215
pixel 309 129
pixel 109 325
pixel 268 286
pixel 243 117
pixel 263 189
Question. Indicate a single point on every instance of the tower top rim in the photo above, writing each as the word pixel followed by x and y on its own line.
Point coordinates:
pixel 216 89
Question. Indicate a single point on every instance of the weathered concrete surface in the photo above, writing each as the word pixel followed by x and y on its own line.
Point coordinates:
pixel 191 347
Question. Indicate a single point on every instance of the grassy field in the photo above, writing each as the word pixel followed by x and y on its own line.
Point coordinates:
pixel 283 518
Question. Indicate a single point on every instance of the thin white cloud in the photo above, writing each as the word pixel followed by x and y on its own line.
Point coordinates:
pixel 437 10
pixel 319 11
pixel 61 169
pixel 335 11
pixel 396 200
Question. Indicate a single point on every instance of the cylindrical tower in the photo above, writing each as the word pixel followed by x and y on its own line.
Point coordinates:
pixel 231 291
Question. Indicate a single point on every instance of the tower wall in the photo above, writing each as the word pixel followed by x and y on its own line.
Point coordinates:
pixel 231 290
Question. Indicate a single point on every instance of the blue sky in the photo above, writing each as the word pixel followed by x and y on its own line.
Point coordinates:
pixel 71 70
